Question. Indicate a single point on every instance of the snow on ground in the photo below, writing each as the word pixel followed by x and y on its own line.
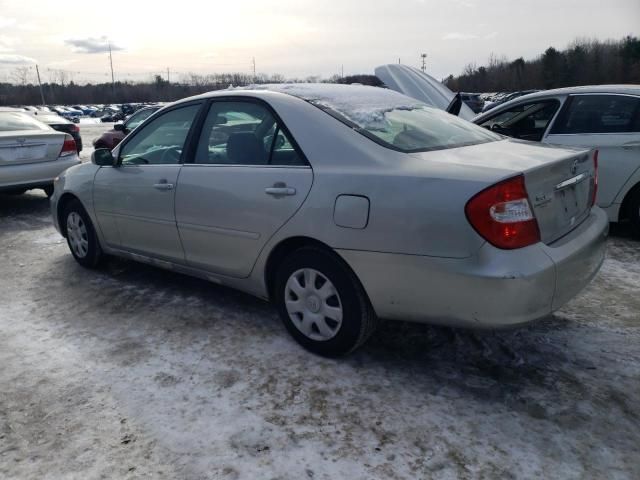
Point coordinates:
pixel 135 372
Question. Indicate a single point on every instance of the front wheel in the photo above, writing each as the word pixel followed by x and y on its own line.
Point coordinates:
pixel 81 236
pixel 322 303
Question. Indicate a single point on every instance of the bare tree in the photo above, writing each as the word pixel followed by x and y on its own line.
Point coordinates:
pixel 21 75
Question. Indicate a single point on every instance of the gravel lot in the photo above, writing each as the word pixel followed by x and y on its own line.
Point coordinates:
pixel 135 372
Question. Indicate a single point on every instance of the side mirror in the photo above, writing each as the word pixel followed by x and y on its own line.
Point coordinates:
pixel 103 158
pixel 119 127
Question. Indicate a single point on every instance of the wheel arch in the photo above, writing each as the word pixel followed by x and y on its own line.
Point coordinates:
pixel 289 245
pixel 626 202
pixel 64 200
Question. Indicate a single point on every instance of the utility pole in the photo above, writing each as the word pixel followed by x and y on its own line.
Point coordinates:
pixel 113 81
pixel 398 60
pixel 424 62
pixel 40 84
pixel 341 71
pixel 168 77
pixel 254 68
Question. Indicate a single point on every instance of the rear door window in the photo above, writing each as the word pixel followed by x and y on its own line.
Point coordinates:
pixel 245 133
pixel 599 114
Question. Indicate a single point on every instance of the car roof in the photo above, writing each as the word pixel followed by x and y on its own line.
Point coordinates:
pixel 624 89
pixel 542 94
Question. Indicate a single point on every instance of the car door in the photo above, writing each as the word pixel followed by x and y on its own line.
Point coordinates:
pixel 610 123
pixel 134 201
pixel 526 120
pixel 247 178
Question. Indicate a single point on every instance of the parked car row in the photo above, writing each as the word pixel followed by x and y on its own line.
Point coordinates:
pixel 106 113
pixel 492 100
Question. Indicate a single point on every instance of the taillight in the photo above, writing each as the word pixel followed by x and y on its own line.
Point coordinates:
pixel 75 128
pixel 68 147
pixel 594 187
pixel 502 215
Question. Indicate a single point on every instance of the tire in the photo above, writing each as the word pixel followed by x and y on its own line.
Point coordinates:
pixel 634 213
pixel 48 190
pixel 330 319
pixel 81 236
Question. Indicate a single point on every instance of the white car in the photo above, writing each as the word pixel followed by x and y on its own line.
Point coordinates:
pixel 32 154
pixel 604 117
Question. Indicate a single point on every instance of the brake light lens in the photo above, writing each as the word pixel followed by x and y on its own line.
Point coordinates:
pixel 75 128
pixel 68 147
pixel 503 216
pixel 594 187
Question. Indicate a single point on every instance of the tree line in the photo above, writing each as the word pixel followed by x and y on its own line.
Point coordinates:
pixel 584 62
pixel 24 92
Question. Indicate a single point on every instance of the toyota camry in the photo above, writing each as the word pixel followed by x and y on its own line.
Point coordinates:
pixel 343 205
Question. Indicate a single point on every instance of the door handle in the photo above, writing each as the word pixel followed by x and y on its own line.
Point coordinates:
pixel 163 186
pixel 280 191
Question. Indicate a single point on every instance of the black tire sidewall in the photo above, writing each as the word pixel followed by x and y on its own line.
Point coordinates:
pixel 94 254
pixel 634 213
pixel 348 288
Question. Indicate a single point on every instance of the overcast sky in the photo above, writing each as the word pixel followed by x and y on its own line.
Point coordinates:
pixel 297 38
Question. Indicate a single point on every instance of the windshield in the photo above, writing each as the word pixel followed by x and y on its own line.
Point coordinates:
pixel 417 129
pixel 13 121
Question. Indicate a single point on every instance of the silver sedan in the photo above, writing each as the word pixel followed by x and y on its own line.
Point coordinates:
pixel 343 205
pixel 32 154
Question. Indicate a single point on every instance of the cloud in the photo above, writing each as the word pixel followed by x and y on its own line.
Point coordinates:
pixel 469 36
pixel 6 44
pixel 459 36
pixel 7 22
pixel 91 45
pixel 10 59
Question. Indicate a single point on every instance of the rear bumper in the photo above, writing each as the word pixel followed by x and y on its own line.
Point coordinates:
pixel 492 289
pixel 32 174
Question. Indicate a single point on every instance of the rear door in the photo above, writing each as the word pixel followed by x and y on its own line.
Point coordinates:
pixel 247 179
pixel 134 201
pixel 609 123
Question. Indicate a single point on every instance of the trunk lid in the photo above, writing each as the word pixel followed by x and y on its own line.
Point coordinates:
pixel 559 181
pixel 560 194
pixel 29 146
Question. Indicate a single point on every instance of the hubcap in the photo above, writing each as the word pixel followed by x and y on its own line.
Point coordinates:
pixel 313 304
pixel 77 235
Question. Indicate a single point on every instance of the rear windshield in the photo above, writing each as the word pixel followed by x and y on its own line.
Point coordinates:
pixel 415 129
pixel 11 121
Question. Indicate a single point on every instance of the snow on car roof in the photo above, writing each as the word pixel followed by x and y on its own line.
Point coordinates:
pixel 363 105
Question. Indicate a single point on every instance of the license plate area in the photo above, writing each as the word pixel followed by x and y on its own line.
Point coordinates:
pixel 22 154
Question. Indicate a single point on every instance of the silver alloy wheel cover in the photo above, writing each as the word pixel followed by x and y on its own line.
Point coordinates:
pixel 307 304
pixel 77 235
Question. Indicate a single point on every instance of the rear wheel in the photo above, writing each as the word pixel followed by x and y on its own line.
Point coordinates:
pixel 81 236
pixel 322 303
pixel 634 213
